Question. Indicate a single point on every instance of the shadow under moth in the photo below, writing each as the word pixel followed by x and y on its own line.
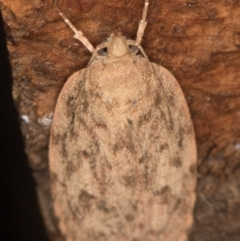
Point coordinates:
pixel 122 148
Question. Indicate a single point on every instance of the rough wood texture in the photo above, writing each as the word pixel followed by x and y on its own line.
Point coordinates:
pixel 198 41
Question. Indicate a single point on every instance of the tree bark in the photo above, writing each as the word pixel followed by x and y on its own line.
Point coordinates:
pixel 197 41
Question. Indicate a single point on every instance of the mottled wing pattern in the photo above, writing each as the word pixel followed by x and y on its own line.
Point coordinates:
pixel 123 154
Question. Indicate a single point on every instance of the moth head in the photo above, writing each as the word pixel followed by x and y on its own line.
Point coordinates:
pixel 117 45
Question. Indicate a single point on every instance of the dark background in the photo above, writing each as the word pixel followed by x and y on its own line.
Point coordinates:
pixel 20 216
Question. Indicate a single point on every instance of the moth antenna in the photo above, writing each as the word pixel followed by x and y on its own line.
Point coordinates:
pixel 142 24
pixel 142 51
pixel 133 42
pixel 95 52
pixel 78 33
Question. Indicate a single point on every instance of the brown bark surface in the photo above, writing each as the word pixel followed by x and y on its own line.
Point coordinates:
pixel 197 41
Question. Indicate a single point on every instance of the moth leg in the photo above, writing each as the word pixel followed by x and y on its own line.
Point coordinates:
pixel 78 33
pixel 142 24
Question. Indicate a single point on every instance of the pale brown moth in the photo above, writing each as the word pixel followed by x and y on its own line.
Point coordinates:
pixel 122 148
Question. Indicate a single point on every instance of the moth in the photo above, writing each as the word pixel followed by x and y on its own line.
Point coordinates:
pixel 122 148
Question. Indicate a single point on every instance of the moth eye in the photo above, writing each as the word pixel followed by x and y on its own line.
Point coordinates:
pixel 102 52
pixel 134 49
